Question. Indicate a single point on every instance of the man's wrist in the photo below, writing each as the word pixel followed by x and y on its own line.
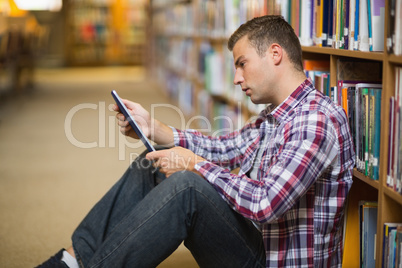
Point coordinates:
pixel 161 133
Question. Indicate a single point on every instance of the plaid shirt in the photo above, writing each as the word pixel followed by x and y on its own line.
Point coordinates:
pixel 304 176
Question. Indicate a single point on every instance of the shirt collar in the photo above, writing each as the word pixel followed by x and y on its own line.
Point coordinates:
pixel 280 112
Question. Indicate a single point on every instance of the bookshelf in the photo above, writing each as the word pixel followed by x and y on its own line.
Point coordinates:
pixel 197 32
pixel 104 32
pixel 21 40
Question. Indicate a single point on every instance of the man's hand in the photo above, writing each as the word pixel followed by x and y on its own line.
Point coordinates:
pixel 175 159
pixel 141 116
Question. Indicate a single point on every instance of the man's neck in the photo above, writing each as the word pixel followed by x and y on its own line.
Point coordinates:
pixel 288 85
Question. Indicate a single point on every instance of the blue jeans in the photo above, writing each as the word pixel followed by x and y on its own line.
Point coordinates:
pixel 145 217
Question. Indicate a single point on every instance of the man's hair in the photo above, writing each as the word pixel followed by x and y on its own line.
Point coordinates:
pixel 266 30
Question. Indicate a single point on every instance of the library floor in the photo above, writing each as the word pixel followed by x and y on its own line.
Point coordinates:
pixel 60 151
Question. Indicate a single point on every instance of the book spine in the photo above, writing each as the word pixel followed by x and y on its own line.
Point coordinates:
pixel 366 129
pixel 325 22
pixel 370 28
pixel 390 141
pixel 357 12
pixel 352 5
pixel 377 134
pixel 371 132
pixel 363 26
pixel 346 24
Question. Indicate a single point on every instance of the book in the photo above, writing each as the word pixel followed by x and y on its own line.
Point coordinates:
pixel 330 20
pixel 398 250
pixel 398 95
pixel 390 181
pixel 377 133
pixel 363 37
pixel 316 65
pixel 388 227
pixel 365 131
pixel 334 23
pixel 361 125
pixel 371 133
pixel 306 23
pixel 318 10
pixel 325 22
pixel 338 26
pixel 369 17
pixel 351 38
pixel 376 18
pixel 391 26
pixel 295 16
pixel 397 40
pixel 346 17
pixel 397 130
pixel 356 35
pixel 368 232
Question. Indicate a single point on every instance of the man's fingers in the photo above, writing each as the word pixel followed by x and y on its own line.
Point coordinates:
pixel 156 155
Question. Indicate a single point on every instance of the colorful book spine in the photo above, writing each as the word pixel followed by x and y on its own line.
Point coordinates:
pixel 387 250
pixel 368 232
pixel 346 17
pixel 390 142
pixel 357 12
pixel 365 118
pixel 351 38
pixel 363 27
pixel 377 19
pixel 330 22
pixel 377 133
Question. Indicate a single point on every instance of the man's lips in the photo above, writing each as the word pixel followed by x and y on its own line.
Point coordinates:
pixel 247 91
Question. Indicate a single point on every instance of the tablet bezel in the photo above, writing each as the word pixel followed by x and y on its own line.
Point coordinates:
pixel 132 122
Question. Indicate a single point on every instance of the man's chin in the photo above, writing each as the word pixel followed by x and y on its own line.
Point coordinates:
pixel 258 101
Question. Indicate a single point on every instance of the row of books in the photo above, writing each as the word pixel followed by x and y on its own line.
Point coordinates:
pixel 392 245
pixel 98 30
pixel 359 93
pixel 110 2
pixel 343 24
pixel 394 169
pixel 203 64
pixel 218 117
pixel 179 89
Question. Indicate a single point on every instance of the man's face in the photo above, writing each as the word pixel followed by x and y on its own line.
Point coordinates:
pixel 253 73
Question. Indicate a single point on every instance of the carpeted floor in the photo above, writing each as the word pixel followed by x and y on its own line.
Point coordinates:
pixel 60 151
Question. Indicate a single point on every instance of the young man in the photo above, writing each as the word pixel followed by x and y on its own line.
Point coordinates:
pixel 284 208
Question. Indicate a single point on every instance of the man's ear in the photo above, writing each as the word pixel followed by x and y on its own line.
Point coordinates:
pixel 276 53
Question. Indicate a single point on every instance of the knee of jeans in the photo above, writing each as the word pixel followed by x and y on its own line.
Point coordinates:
pixel 187 178
pixel 141 162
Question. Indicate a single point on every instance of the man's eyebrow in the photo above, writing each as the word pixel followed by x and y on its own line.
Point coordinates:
pixel 238 60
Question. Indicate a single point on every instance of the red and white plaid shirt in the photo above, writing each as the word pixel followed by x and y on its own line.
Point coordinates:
pixel 304 176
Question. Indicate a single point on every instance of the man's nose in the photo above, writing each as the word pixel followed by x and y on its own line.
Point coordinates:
pixel 238 78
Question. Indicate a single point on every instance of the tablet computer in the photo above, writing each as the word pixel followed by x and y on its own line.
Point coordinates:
pixel 132 122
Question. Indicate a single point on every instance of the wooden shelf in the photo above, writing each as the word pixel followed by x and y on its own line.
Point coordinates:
pixel 393 195
pixel 377 56
pixel 395 59
pixel 373 183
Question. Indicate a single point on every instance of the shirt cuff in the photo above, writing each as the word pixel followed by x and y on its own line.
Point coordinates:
pixel 176 138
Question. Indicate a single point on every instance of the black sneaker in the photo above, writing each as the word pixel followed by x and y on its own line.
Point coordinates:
pixel 54 261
